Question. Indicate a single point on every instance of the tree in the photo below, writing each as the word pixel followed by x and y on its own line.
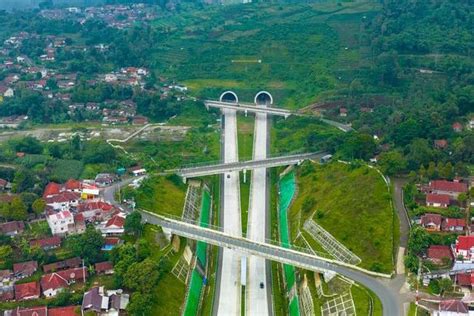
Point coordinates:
pixel 419 240
pixel 18 210
pixel 142 276
pixel 357 146
pixel 133 223
pixel 140 304
pixel 462 198
pixel 23 180
pixel 88 245
pixel 392 162
pixel 445 285
pixel 6 253
pixel 38 206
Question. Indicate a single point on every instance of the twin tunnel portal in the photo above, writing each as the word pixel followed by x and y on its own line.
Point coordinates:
pixel 244 262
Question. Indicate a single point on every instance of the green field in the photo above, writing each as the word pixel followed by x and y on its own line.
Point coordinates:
pixel 161 195
pixel 348 201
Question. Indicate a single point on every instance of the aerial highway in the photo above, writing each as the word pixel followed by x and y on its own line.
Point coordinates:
pixel 258 301
pixel 277 253
pixel 229 285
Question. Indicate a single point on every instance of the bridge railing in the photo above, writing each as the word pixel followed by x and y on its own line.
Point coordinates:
pixel 243 235
pixel 241 160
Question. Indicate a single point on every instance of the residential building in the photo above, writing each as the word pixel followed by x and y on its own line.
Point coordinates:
pixel 28 311
pixel 63 201
pixel 12 228
pixel 437 200
pixel 431 222
pixel 451 188
pixel 138 171
pixel 47 243
pixel 464 248
pixel 105 179
pixel 437 254
pixel 114 226
pixel 440 143
pixel 25 269
pixel 61 265
pixel 453 224
pixel 63 311
pixel 27 291
pixel 108 303
pixel 457 127
pixel 452 308
pixel 465 279
pixel 61 223
pixel 55 282
pixel 95 210
pixel 104 267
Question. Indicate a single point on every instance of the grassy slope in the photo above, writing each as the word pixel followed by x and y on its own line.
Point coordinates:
pixel 245 127
pixel 353 202
pixel 160 195
pixel 302 48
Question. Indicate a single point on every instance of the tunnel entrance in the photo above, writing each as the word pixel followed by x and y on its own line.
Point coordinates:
pixel 263 98
pixel 229 96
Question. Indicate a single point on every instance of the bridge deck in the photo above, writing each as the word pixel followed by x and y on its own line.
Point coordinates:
pixel 246 165
pixel 245 107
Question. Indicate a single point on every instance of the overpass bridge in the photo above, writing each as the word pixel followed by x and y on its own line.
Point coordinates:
pixel 278 253
pixel 247 107
pixel 220 168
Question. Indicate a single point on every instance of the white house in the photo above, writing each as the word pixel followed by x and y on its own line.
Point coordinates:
pixel 464 248
pixel 61 223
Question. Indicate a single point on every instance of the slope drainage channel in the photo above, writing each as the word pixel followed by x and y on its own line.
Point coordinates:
pixel 287 186
pixel 198 278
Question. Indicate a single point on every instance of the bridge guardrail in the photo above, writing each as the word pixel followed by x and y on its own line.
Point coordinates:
pixel 243 160
pixel 293 255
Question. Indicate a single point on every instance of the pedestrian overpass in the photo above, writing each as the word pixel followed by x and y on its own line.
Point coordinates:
pixel 220 168
pixel 281 254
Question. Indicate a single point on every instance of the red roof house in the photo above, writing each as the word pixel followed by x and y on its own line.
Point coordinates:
pixel 27 291
pixel 73 185
pixel 457 127
pixel 51 189
pixel 465 247
pixel 53 283
pixel 437 200
pixel 436 253
pixel 104 267
pixel 25 269
pixel 63 311
pixel 465 279
pixel 451 188
pixel 453 306
pixel 453 224
pixel 30 311
pixel 113 226
pixel 12 228
pixel 431 222
pixel 47 243
pixel 441 143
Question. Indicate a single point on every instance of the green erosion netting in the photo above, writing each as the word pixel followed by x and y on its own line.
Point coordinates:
pixel 287 191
